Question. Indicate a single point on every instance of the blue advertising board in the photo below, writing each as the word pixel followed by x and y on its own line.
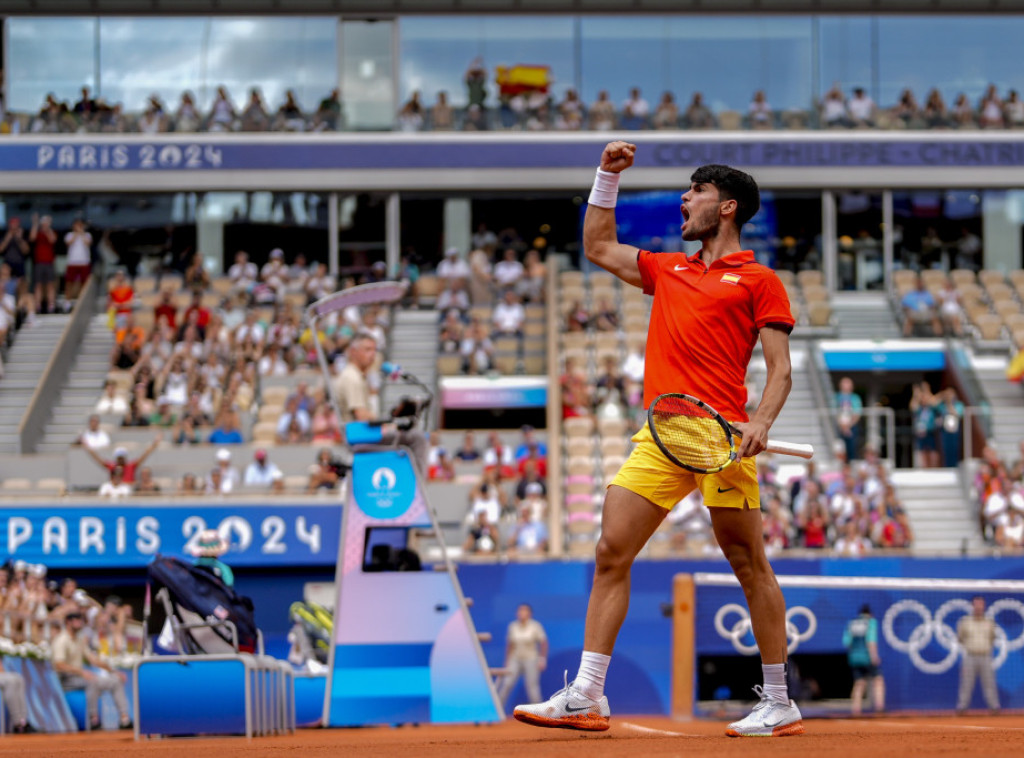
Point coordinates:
pixel 124 536
pixel 398 151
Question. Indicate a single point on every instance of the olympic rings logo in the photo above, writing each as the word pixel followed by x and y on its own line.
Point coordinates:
pixel 944 634
pixel 741 627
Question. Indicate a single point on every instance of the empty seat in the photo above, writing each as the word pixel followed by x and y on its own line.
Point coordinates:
pixel 810 278
pixel 52 485
pixel 930 276
pixel 611 427
pixel 1013 321
pixel 963 276
pixel 578 426
pixel 580 465
pixel 1007 307
pixel 613 447
pixel 999 291
pixel 579 446
pixel 819 314
pixel 534 364
pixel 990 276
pixel 264 431
pixel 989 325
pixel 581 547
pixel 815 293
pixel 904 276
pixel 600 279
pixel 570 279
pixel 449 365
pixel 581 526
pixel 274 395
pixel 270 412
pixel 16 483
pixel 730 120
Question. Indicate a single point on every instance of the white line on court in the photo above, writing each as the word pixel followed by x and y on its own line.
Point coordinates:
pixel 649 730
pixel 929 725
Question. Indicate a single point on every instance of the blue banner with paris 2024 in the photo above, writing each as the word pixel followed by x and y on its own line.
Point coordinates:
pixel 917 635
pixel 123 536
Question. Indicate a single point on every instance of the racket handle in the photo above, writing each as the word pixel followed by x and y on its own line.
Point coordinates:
pixel 790 448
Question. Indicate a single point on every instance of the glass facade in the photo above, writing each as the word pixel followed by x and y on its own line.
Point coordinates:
pixel 794 60
pixel 127 60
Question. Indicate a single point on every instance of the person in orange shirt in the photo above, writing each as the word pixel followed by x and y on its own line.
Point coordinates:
pixel 709 311
pixel 120 298
pixel 128 342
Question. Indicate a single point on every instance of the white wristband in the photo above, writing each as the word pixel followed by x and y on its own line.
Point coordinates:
pixel 605 191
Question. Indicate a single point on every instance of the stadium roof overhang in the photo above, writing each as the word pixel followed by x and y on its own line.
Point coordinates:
pixel 396 7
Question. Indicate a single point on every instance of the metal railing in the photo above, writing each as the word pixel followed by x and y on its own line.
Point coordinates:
pixel 877 426
pixel 977 423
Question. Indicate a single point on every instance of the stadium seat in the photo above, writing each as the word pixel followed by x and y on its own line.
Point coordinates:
pixel 144 285
pixel 506 344
pixel 274 395
pixel 904 276
pixel 264 431
pixel 600 279
pixel 1007 307
pixel 449 365
pixel 578 426
pixel 269 412
pixel 534 364
pixel 990 276
pixel 815 293
pixel 570 296
pixel 610 427
pixel 579 488
pixel 579 446
pixel 730 120
pixel 506 364
pixel 786 277
pixel 990 326
pixel 51 485
pixel 581 548
pixel 963 276
pixel 597 294
pixel 481 312
pixel 535 328
pixel 429 286
pixel 1013 321
pixel 16 483
pixel 930 276
pixel 580 465
pixel 810 277
pixel 613 447
pixel 819 314
pixel 221 285
pixel 999 291
pixel 581 525
pixel 568 279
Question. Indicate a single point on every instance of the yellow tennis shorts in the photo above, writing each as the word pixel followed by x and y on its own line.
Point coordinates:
pixel 648 473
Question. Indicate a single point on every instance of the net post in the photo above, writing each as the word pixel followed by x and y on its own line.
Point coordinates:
pixel 684 650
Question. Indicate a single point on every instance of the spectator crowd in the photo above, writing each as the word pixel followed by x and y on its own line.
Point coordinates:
pixel 526 109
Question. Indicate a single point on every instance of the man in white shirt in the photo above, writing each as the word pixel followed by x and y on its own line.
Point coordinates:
pixel 116 487
pixel 452 296
pixel 274 273
pixel 453 267
pixel 635 110
pixel 94 437
pixel 79 260
pixel 261 472
pixel 243 273
pixel 508 316
pixel 228 474
pixel 508 271
pixel 861 108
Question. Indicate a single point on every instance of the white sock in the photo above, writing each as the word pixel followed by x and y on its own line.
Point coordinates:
pixel 775 681
pixel 590 679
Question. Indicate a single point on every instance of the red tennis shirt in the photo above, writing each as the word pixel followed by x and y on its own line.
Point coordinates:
pixel 704 325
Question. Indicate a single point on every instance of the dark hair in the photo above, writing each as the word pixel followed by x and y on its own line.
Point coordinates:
pixel 74 615
pixel 732 184
pixel 865 610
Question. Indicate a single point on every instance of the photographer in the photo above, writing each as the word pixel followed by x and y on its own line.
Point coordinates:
pixel 352 390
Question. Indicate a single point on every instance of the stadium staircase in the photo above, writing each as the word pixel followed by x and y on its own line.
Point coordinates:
pixel 1007 402
pixel 81 388
pixel 934 501
pixel 864 315
pixel 413 345
pixel 25 363
pixel 800 420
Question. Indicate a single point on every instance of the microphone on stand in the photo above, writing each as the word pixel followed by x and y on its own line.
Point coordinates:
pixel 393 371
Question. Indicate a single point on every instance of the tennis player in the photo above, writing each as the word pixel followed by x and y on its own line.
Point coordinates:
pixel 709 310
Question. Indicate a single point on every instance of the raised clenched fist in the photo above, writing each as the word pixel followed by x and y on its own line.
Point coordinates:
pixel 617 156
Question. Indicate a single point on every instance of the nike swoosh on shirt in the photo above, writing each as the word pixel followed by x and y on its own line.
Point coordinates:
pixel 681 268
pixel 727 489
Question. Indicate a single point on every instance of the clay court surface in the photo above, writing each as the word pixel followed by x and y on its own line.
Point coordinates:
pixel 629 736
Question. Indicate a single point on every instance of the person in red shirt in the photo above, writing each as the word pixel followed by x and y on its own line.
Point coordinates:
pixel 201 317
pixel 166 310
pixel 121 459
pixel 709 311
pixel 44 275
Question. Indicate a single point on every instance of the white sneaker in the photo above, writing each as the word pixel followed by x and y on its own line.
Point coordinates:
pixel 770 718
pixel 567 709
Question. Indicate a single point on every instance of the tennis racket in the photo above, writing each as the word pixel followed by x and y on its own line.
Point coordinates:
pixel 694 436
